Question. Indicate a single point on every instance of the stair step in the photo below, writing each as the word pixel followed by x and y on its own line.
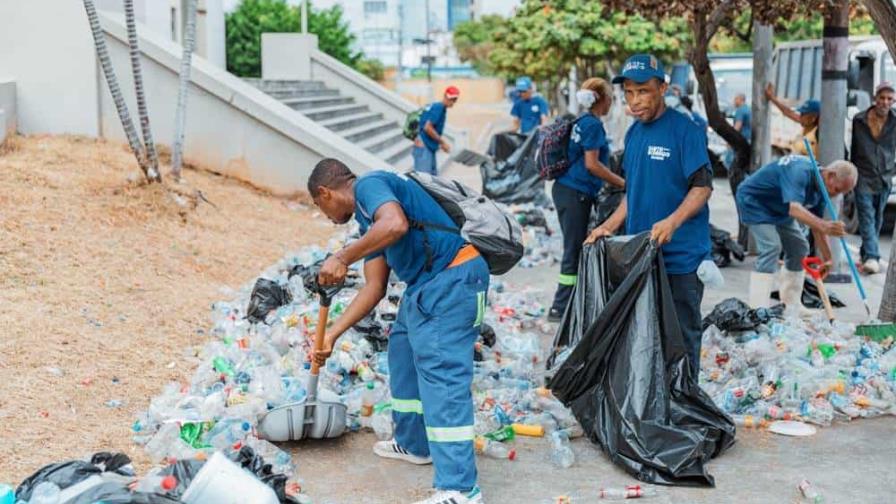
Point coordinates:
pixel 365 131
pixel 285 85
pixel 404 163
pixel 317 102
pixel 396 152
pixel 335 111
pixel 343 123
pixel 384 140
pixel 301 93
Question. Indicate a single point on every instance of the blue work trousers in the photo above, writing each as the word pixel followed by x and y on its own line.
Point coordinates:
pixel 424 160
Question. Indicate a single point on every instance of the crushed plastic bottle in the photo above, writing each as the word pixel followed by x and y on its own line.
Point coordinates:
pixel 561 452
pixel 629 492
pixel 809 492
pixel 493 449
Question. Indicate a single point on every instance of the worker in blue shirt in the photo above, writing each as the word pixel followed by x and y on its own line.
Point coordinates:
pixel 668 183
pixel 743 116
pixel 771 202
pixel 432 339
pixel 429 135
pixel 575 191
pixel 530 110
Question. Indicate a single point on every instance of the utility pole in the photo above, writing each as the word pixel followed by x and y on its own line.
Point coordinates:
pixel 762 71
pixel 428 48
pixel 833 101
pixel 400 43
pixel 304 17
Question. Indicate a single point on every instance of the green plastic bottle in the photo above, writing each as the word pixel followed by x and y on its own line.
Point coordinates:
pixel 505 433
pixel 222 365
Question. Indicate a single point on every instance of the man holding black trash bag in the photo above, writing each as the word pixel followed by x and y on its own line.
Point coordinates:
pixel 668 183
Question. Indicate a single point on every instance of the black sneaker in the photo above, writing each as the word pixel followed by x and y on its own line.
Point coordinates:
pixel 555 315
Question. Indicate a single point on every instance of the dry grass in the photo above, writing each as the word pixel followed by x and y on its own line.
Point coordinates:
pixel 109 280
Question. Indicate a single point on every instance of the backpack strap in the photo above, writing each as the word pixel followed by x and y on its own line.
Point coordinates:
pixel 422 226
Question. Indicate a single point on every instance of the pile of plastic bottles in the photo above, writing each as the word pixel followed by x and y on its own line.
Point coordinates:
pixel 542 238
pixel 808 370
pixel 247 369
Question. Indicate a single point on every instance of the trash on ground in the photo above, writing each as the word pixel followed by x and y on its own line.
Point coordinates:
pixel 512 177
pixel 791 428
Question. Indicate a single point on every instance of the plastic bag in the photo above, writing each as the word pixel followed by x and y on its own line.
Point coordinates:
pixel 724 248
pixel 513 179
pixel 267 295
pixel 733 314
pixel 609 197
pixel 811 299
pixel 627 378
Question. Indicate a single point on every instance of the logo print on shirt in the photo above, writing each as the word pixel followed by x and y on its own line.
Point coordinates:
pixel 534 108
pixel 658 153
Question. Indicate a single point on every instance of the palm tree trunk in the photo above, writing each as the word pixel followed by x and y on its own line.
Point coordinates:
pixel 142 111
pixel 181 112
pixel 124 115
pixel 888 300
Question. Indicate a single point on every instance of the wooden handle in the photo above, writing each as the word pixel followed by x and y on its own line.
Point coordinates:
pixel 319 336
pixel 825 300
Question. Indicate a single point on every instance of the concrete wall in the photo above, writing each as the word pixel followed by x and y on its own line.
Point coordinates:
pixel 7 108
pixel 53 62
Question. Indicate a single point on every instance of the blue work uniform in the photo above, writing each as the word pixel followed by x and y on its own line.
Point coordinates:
pixel 660 158
pixel 425 157
pixel 574 194
pixel 745 116
pixel 763 204
pixel 432 339
pixel 530 112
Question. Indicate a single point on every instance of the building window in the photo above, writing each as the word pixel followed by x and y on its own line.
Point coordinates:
pixel 374 7
pixel 174 24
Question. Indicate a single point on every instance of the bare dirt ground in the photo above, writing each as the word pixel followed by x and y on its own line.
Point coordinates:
pixel 104 282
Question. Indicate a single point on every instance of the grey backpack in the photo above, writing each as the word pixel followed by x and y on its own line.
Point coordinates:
pixel 496 236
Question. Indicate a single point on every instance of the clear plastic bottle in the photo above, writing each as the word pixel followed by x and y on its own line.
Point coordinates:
pixel 561 452
pixel 493 449
pixel 809 492
pixel 368 401
pixel 45 493
pixel 629 492
pixel 381 423
pixel 157 483
pixel 228 432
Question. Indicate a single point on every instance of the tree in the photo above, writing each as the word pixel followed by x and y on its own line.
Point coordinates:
pixel 142 110
pixel 546 39
pixel 180 116
pixel 251 18
pixel 127 123
pixel 474 41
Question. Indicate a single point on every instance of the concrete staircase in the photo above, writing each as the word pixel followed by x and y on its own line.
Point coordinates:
pixel 344 117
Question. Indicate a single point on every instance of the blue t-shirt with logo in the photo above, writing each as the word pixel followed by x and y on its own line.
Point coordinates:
pixel 765 196
pixel 745 115
pixel 529 112
pixel 659 158
pixel 588 134
pixel 406 257
pixel 435 113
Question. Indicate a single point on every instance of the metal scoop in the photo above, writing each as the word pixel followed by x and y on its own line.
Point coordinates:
pixel 309 418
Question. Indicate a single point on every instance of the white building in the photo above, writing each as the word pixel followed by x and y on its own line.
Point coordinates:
pixel 167 18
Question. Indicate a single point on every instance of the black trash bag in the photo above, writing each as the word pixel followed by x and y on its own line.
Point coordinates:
pixel 184 471
pixel 733 314
pixel 310 273
pixel 112 492
pixel 533 217
pixel 373 332
pixel 724 248
pixel 627 378
pixel 609 197
pixel 811 298
pixel 254 463
pixel 267 295
pixel 515 179
pixel 66 474
pixel 502 145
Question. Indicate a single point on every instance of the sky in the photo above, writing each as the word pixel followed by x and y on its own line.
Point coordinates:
pixel 503 7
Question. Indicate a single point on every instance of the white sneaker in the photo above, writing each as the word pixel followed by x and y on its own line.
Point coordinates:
pixel 390 449
pixel 871 266
pixel 474 496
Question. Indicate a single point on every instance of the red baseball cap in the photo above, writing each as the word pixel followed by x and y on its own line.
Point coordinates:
pixel 452 92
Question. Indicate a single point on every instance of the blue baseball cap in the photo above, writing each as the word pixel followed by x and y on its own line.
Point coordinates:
pixel 641 68
pixel 810 107
pixel 523 84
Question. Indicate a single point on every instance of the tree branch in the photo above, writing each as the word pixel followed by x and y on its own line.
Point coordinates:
pixel 718 16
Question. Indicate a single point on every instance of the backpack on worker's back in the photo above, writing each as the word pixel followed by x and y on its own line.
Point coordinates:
pixel 552 144
pixel 412 124
pixel 497 236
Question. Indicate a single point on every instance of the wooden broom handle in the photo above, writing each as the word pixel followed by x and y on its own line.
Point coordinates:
pixel 319 336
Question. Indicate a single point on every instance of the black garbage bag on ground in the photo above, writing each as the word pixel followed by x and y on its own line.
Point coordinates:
pixel 373 332
pixel 811 298
pixel 724 248
pixel 113 470
pixel 266 295
pixel 502 145
pixel 516 178
pixel 609 197
pixel 733 314
pixel 627 378
pixel 487 337
pixel 254 463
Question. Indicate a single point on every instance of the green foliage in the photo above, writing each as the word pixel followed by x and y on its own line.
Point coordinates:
pixel 474 41
pixel 545 40
pixel 251 18
pixel 372 68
